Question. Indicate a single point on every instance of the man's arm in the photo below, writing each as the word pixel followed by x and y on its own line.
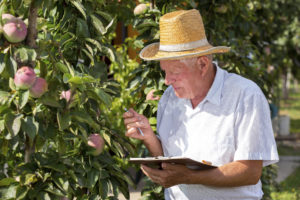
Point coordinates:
pixel 238 173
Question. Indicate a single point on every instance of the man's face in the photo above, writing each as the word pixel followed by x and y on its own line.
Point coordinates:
pixel 183 78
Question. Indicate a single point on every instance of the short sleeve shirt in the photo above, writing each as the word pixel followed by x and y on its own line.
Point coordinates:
pixel 231 123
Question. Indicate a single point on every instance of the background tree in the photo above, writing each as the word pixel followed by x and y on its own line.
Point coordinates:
pixel 263 39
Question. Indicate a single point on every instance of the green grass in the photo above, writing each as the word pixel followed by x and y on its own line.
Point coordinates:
pixel 289 189
pixel 291 107
pixel 284 150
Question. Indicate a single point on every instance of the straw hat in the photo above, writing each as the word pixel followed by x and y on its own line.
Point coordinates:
pixel 182 35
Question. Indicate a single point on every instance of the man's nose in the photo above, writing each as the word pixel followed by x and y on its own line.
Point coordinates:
pixel 168 79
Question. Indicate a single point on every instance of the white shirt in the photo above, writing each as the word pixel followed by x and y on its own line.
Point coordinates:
pixel 231 123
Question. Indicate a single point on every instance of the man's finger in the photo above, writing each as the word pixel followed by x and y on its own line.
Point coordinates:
pixel 130 120
pixel 127 114
pixel 151 171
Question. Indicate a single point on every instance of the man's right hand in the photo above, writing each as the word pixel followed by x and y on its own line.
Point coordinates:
pixel 133 121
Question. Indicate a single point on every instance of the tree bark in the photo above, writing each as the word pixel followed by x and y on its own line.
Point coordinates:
pixel 31 42
pixel 32 25
pixel 285 86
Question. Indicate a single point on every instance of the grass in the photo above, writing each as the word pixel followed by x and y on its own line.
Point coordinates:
pixel 284 150
pixel 291 107
pixel 289 189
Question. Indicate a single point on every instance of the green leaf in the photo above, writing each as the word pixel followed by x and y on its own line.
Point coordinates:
pixel 53 190
pixel 10 193
pixel 30 179
pixel 135 82
pixel 80 7
pixel 62 67
pixel 56 166
pixel 61 182
pixel 2 62
pixel 89 55
pixel 21 192
pixel 105 15
pixel 81 80
pixel 109 52
pixel 11 65
pixel 94 42
pixel 2 125
pixel 76 80
pixel 85 118
pixel 23 98
pixel 103 188
pixel 98 25
pixel 92 177
pixel 21 55
pixel 104 97
pixel 66 77
pixel 13 123
pixel 82 29
pixel 4 97
pixel 30 127
pixel 11 83
pixel 63 120
pixel 7 181
pixel 43 68
pixel 50 101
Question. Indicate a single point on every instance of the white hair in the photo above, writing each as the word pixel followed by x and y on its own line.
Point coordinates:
pixel 191 61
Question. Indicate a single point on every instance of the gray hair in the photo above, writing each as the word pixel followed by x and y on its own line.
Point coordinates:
pixel 191 61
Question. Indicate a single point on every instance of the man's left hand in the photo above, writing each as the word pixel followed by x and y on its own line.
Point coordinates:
pixel 169 175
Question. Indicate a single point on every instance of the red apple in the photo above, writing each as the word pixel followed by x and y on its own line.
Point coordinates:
pixel 24 78
pixel 96 141
pixel 39 87
pixel 14 30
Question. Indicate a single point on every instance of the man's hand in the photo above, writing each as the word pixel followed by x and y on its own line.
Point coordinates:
pixel 234 174
pixel 169 175
pixel 133 121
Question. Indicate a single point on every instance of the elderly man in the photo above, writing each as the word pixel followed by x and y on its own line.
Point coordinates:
pixel 206 113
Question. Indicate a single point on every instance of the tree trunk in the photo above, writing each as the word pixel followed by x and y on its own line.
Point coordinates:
pixel 31 42
pixel 296 87
pixel 285 86
pixel 32 21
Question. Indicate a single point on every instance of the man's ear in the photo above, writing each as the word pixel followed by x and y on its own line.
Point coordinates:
pixel 203 64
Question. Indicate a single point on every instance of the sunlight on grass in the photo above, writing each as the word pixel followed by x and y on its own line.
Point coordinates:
pixel 289 189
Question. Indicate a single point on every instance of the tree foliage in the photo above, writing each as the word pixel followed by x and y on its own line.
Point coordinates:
pixel 44 151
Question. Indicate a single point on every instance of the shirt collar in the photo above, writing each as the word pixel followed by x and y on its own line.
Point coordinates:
pixel 215 92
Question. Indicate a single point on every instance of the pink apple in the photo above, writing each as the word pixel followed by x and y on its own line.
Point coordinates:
pixel 67 95
pixel 96 141
pixel 8 18
pixel 14 30
pixel 24 78
pixel 39 87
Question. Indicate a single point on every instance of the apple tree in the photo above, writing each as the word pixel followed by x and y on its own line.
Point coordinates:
pixel 55 93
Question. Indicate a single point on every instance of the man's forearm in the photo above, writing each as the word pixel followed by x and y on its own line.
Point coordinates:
pixel 234 174
pixel 153 144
